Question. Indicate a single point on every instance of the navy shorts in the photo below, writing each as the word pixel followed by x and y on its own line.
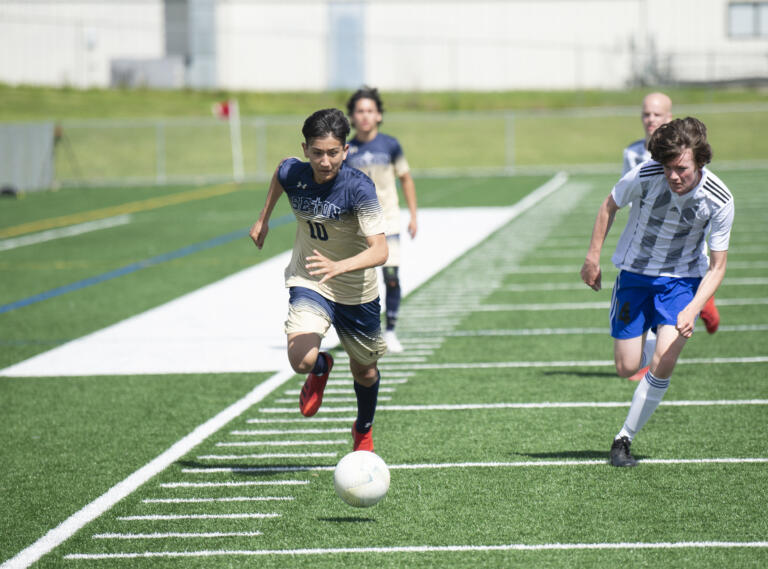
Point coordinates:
pixel 640 302
pixel 357 325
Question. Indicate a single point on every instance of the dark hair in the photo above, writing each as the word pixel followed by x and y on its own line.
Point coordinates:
pixel 365 92
pixel 670 140
pixel 324 122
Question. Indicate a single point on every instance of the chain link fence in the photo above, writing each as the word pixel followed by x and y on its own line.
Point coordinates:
pixel 193 151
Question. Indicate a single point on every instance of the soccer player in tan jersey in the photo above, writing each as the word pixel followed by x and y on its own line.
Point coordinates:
pixel 381 158
pixel 656 111
pixel 331 277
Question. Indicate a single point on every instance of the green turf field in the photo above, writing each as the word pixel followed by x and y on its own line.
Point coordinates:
pixel 487 469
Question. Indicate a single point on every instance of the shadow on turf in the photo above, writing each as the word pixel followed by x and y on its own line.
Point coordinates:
pixel 346 519
pixel 276 468
pixel 582 454
pixel 575 373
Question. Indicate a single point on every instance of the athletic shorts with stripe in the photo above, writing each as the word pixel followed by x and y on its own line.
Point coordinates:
pixel 358 326
pixel 640 302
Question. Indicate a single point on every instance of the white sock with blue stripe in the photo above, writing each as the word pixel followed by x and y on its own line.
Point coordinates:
pixel 648 394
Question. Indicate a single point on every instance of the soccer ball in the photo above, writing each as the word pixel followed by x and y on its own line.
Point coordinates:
pixel 361 478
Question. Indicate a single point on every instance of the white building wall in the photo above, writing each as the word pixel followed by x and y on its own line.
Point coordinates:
pixel 492 45
pixel 272 45
pixel 73 43
pixel 409 44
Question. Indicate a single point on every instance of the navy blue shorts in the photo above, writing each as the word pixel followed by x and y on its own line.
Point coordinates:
pixel 640 302
pixel 357 325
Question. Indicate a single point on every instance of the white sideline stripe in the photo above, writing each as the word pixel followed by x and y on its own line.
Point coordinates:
pixel 161 517
pixel 516 464
pixel 210 500
pixel 68 527
pixel 570 405
pixel 69 231
pixel 269 455
pixel 281 443
pixel 537 307
pixel 558 269
pixel 234 484
pixel 288 432
pixel 428 549
pixel 593 330
pixel 303 420
pixel 542 405
pixel 177 534
pixel 536 287
pixel 582 363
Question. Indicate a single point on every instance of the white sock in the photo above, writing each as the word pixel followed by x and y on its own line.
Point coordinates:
pixel 648 349
pixel 648 394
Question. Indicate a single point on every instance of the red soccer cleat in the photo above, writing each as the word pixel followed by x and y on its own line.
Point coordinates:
pixel 311 396
pixel 639 374
pixel 710 315
pixel 362 441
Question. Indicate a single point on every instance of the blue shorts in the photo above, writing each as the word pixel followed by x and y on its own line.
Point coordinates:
pixel 641 302
pixel 357 325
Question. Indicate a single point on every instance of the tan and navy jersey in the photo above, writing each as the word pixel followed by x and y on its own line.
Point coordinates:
pixel 635 154
pixel 382 159
pixel 334 218
pixel 666 233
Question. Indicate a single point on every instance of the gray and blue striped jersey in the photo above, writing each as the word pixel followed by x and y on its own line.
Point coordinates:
pixel 666 233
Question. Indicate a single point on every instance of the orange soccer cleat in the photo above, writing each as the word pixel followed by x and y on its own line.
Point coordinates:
pixel 311 396
pixel 710 315
pixel 362 441
pixel 639 374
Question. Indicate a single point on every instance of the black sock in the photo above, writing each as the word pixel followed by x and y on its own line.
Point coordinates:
pixel 366 405
pixel 321 365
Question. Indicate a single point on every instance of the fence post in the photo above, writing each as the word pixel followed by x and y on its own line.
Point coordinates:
pixel 160 152
pixel 509 141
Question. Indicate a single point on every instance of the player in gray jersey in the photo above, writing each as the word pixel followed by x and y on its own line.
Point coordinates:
pixel 665 277
pixel 657 110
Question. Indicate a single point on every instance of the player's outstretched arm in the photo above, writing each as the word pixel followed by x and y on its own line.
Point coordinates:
pixel 261 227
pixel 708 286
pixel 590 270
pixel 409 192
pixel 376 254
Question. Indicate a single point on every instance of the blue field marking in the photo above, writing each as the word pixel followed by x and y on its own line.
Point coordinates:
pixel 133 267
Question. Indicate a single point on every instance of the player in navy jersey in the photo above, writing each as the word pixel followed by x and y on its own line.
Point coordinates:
pixel 665 277
pixel 381 158
pixel 331 277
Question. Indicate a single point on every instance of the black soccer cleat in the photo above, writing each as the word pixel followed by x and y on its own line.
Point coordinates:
pixel 620 455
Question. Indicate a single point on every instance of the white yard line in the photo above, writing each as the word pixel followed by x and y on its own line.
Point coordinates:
pixel 429 549
pixel 512 464
pixel 176 534
pixel 215 500
pixel 166 517
pixel 288 432
pixel 234 484
pixel 542 405
pixel 303 420
pixel 70 231
pixel 580 331
pixel 282 443
pixel 271 455
pixel 581 363
pixel 68 527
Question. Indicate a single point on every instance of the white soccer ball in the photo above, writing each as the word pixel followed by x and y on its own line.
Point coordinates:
pixel 361 478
